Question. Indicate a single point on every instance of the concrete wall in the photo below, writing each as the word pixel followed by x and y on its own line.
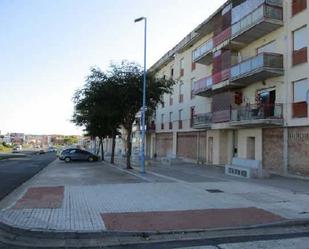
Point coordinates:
pixel 243 135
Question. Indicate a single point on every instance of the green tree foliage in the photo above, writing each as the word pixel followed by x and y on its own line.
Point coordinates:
pixel 96 107
pixel 113 98
pixel 70 140
pixel 128 76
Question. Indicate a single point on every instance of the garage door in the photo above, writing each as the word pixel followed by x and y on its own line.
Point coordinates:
pixel 187 145
pixel 164 144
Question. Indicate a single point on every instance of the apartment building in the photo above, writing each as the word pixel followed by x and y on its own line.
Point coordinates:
pixel 242 89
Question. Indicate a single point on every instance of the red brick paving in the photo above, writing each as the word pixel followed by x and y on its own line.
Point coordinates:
pixel 187 220
pixel 41 197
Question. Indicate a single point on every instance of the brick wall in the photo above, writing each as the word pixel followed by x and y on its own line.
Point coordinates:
pixel 164 144
pixel 273 150
pixel 299 151
pixel 187 145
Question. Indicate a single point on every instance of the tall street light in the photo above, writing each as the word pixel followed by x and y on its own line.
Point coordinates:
pixel 144 96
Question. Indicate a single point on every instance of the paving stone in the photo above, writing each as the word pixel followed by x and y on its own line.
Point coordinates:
pixel 79 206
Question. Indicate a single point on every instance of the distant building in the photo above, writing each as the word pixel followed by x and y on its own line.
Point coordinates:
pixel 17 138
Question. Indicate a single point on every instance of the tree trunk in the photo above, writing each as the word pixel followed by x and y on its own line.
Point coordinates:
pixel 102 149
pixel 129 149
pixel 113 149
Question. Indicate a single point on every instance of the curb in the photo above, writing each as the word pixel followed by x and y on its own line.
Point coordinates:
pixel 53 239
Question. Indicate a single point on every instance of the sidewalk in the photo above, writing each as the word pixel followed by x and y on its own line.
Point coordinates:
pixel 83 197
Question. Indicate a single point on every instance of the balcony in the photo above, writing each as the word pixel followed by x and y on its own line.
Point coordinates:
pixel 203 54
pixel 257 115
pixel 203 86
pixel 221 116
pixel 222 39
pixel 258 68
pixel 260 22
pixel 202 121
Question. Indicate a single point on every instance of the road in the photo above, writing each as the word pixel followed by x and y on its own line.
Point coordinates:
pixel 14 172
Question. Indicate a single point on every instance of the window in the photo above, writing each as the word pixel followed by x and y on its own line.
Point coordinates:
pixel 300 38
pixel 300 45
pixel 300 98
pixel 162 121
pixel 193 64
pixel 192 114
pixel 180 92
pixel 298 6
pixel 162 101
pixel 172 72
pixel 182 67
pixel 301 91
pixel 267 48
pixel 171 99
pixel 180 119
pixel 192 88
pixel 171 120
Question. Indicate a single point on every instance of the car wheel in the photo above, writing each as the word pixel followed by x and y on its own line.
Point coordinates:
pixel 67 159
pixel 90 159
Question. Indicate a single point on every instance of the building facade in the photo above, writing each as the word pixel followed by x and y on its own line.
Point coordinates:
pixel 242 89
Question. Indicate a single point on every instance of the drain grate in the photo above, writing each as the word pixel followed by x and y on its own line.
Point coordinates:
pixel 214 191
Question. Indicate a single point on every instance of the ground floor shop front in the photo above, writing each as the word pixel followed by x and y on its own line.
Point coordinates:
pixel 283 151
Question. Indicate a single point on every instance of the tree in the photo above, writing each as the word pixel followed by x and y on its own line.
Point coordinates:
pixel 70 140
pixel 96 108
pixel 128 77
pixel 113 98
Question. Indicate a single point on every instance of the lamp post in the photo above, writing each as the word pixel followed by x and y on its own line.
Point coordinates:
pixel 144 96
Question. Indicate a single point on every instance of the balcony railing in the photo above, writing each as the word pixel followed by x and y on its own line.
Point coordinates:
pixel 202 86
pixel 225 35
pixel 257 68
pixel 270 17
pixel 264 114
pixel 202 121
pixel 221 76
pixel 202 51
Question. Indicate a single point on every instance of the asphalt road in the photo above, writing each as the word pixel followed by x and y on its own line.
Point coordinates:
pixel 14 172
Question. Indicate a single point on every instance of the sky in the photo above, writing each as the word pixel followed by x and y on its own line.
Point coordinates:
pixel 47 48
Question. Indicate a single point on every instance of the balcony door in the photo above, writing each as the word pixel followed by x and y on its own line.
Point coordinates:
pixel 267 99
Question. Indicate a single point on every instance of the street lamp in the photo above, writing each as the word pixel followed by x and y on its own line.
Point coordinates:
pixel 144 96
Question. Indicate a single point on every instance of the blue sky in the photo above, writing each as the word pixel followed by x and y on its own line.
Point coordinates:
pixel 48 46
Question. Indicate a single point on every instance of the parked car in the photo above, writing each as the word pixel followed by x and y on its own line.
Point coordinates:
pixel 69 155
pixel 52 149
pixel 17 148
